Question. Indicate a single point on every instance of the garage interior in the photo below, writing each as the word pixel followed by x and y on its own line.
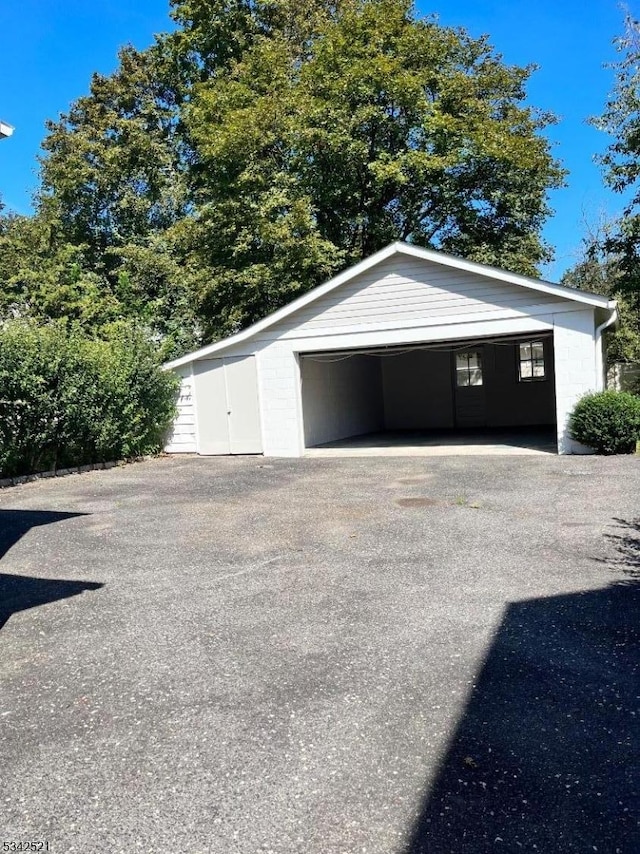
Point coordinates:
pixel 459 397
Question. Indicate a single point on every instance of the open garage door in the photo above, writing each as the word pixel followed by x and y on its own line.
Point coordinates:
pixel 436 391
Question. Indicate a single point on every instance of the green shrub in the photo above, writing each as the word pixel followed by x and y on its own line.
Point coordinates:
pixel 607 421
pixel 66 399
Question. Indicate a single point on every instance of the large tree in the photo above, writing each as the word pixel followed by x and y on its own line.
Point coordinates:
pixel 611 261
pixel 264 144
pixel 115 165
pixel 114 182
pixel 601 273
pixel 382 126
pixel 621 162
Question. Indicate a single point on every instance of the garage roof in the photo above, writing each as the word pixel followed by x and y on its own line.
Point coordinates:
pixel 394 249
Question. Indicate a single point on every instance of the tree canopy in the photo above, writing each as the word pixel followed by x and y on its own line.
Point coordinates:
pixel 600 273
pixel 611 263
pixel 621 162
pixel 265 144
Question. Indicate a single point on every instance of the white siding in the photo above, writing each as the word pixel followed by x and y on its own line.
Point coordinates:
pixel 182 439
pixel 404 291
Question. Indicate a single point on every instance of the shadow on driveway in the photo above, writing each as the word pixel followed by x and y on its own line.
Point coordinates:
pixel 546 755
pixel 19 592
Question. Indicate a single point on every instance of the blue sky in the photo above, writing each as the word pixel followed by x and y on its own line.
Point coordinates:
pixel 51 47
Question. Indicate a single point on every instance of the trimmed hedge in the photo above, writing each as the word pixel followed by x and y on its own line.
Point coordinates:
pixel 69 400
pixel 607 421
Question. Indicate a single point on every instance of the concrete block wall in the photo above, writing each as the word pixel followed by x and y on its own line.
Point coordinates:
pixel 279 383
pixel 575 370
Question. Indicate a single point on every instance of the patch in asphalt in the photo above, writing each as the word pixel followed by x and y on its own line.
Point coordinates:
pixel 417 502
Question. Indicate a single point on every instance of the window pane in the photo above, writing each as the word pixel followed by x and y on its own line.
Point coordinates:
pixel 462 378
pixel 525 351
pixel 525 370
pixel 537 350
pixel 474 360
pixel 538 368
pixel 462 361
pixel 475 376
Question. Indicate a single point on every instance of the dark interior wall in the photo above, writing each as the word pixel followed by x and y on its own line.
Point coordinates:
pixel 511 403
pixel 419 389
pixel 418 393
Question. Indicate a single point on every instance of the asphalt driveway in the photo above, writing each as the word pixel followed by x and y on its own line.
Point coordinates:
pixel 321 656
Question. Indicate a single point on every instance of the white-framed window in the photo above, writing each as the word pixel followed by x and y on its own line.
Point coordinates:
pixel 469 368
pixel 531 364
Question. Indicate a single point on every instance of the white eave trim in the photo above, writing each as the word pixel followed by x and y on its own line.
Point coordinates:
pixel 393 249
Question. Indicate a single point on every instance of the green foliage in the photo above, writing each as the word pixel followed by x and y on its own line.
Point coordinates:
pixel 114 166
pixel 263 145
pixel 601 274
pixel 67 399
pixel 612 263
pixel 621 162
pixel 621 117
pixel 423 134
pixel 45 277
pixel 607 421
pixel 370 126
pixel 114 183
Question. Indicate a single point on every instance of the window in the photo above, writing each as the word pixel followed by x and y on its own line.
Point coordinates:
pixel 531 361
pixel 469 368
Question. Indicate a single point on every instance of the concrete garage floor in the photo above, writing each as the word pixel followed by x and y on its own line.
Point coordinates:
pixel 421 443
pixel 322 656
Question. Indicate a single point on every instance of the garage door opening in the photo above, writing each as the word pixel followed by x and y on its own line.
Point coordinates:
pixel 486 396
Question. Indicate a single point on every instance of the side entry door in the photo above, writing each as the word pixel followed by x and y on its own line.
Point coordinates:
pixel 469 388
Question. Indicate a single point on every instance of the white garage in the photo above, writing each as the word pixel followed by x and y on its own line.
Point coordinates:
pixel 408 341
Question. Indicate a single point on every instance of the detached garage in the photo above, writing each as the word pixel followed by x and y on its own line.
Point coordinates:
pixel 407 341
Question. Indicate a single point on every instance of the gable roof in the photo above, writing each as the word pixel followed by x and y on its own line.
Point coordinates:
pixel 396 249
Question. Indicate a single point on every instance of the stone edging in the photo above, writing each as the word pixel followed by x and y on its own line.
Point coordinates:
pixel 28 478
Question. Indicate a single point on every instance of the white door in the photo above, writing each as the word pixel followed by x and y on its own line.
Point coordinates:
pixel 244 413
pixel 211 407
pixel 468 378
pixel 227 406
